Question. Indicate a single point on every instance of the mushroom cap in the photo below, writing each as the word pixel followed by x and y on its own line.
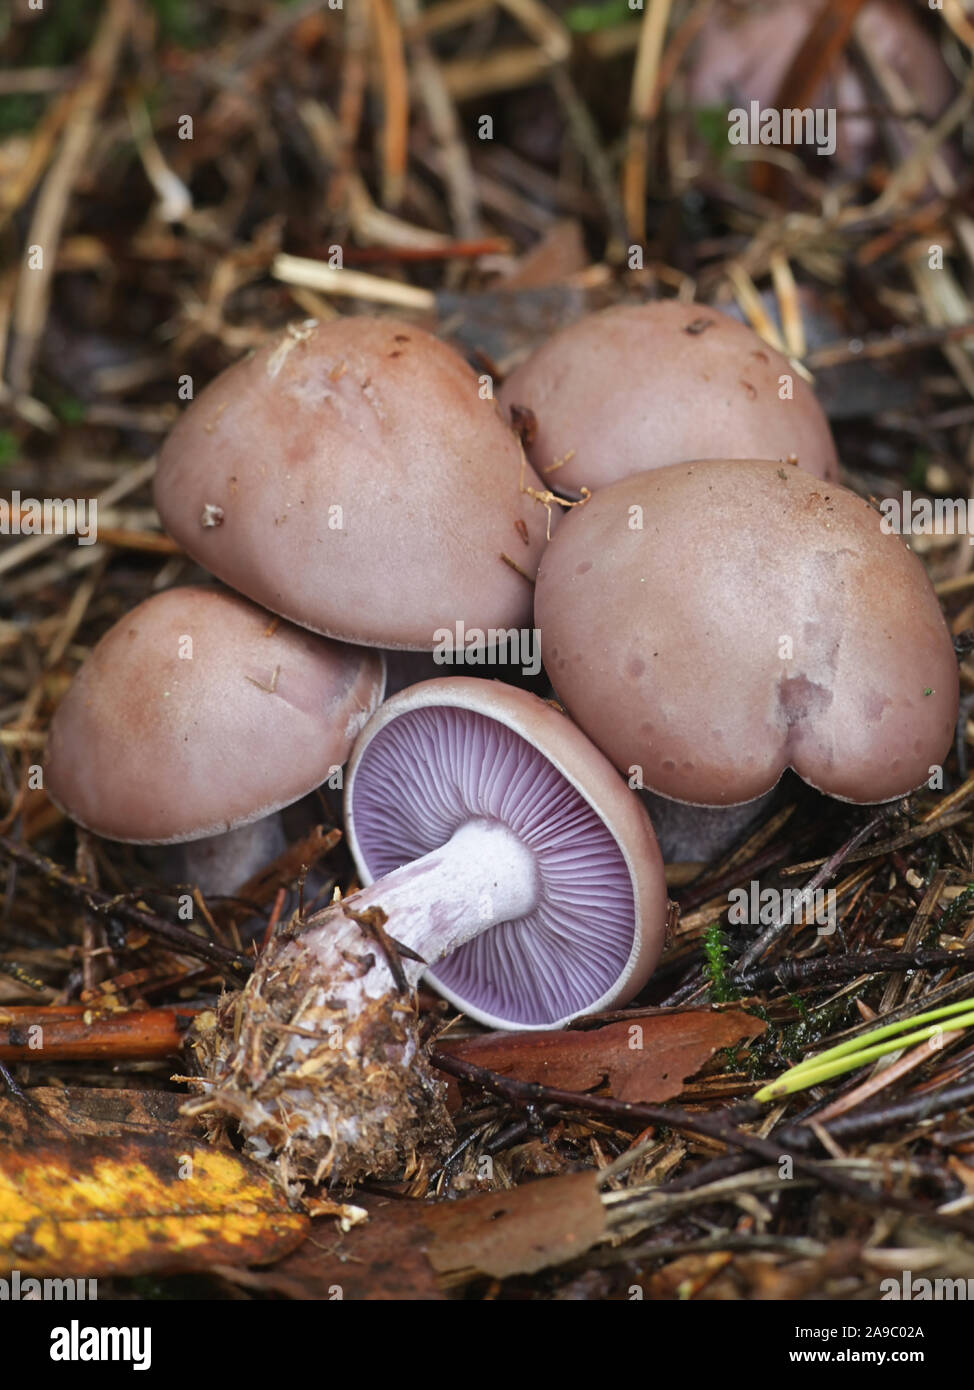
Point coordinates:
pixel 640 387
pixel 155 746
pixel 349 476
pixel 448 751
pixel 759 619
pixel 743 54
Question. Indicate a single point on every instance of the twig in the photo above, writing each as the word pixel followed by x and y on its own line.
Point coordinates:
pixel 395 96
pixel 77 1032
pixel 228 962
pixel 719 1127
pixel 821 876
pixel 315 275
pixel 643 103
pixel 34 286
pixel 888 1118
pixel 849 966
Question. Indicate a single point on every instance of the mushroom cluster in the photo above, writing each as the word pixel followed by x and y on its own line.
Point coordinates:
pixel 714 609
pixel 353 480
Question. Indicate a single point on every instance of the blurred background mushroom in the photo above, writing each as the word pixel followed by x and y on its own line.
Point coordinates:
pixel 747 52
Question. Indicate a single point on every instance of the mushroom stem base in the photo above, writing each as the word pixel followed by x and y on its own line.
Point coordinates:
pixel 220 864
pixel 319 1059
pixel 324 1074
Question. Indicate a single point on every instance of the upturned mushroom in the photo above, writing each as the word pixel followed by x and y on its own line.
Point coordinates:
pixel 640 387
pixel 351 477
pixel 505 859
pixel 195 719
pixel 710 624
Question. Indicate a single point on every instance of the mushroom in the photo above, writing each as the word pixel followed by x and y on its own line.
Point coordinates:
pixel 712 623
pixel 642 386
pixel 744 55
pixel 504 859
pixel 351 477
pixel 196 718
pixel 694 836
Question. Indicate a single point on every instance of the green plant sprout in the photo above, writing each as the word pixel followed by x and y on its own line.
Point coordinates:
pixel 847 1056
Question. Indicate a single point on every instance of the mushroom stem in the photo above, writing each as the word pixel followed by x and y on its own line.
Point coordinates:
pixel 220 864
pixel 320 1060
pixel 483 875
pixel 701 834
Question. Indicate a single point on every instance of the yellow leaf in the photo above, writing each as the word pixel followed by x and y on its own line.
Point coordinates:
pixel 139 1203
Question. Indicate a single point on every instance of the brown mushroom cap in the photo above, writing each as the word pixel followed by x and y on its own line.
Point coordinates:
pixel 759 619
pixel 155 747
pixel 634 388
pixel 350 477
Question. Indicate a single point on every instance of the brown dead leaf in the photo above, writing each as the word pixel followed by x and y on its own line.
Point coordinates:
pixel 517 1232
pixel 75 1205
pixel 384 1259
pixel 646 1060
pixel 427 1250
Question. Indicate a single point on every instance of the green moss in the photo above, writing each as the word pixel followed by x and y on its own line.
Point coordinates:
pixel 715 965
pixel 9 448
pixel 19 111
pixel 179 22
pixel 710 124
pixel 587 19
pixel 69 409
pixel 917 476
pixel 780 1046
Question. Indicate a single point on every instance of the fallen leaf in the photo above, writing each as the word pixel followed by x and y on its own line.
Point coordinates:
pixel 686 1277
pixel 427 1251
pixel 76 1206
pixel 382 1260
pixel 517 1232
pixel 558 256
pixel 646 1059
